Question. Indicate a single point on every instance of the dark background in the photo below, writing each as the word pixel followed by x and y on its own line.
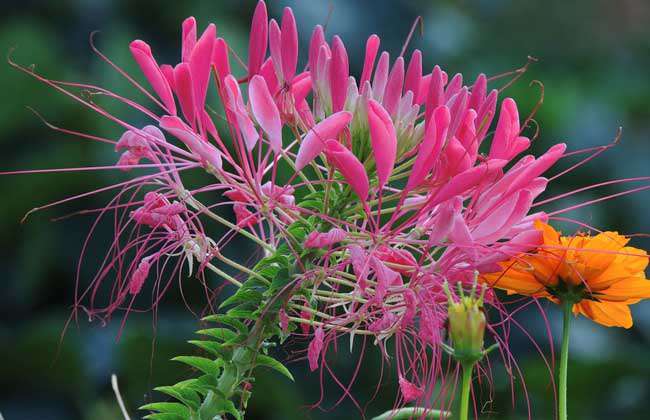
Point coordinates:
pixel 594 58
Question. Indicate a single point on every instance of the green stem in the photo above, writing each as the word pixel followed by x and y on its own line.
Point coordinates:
pixel 564 360
pixel 465 388
pixel 410 413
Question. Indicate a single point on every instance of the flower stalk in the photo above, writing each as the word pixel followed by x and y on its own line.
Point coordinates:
pixel 564 360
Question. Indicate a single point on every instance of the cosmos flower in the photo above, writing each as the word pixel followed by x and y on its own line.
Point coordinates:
pixel 600 275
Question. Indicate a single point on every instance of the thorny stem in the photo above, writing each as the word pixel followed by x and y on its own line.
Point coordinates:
pixel 465 389
pixel 564 360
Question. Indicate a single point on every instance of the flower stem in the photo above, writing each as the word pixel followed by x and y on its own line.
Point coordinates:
pixel 465 388
pixel 564 360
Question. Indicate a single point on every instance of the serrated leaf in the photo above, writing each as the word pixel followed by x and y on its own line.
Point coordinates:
pixel 268 361
pixel 168 408
pixel 203 364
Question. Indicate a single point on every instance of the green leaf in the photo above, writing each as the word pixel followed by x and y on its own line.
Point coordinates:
pixel 206 366
pixel 174 408
pixel 223 334
pixel 184 395
pixel 166 416
pixel 212 347
pixel 228 320
pixel 243 296
pixel 268 361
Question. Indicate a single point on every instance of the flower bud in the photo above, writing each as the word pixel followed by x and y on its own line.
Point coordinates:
pixel 466 325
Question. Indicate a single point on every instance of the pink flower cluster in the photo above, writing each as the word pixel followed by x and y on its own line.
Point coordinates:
pixel 396 173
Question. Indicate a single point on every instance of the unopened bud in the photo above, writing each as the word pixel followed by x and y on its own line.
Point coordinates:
pixel 466 325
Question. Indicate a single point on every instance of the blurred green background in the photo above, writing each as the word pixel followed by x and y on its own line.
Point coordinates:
pixel 594 57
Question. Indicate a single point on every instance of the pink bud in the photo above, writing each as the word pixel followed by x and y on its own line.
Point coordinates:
pixel 394 85
pixel 289 45
pixel 203 150
pixel 429 151
pixel 326 239
pixel 410 392
pixel 349 166
pixel 414 73
pixel 315 348
pixel 258 41
pixel 372 47
pixel 339 72
pixel 383 140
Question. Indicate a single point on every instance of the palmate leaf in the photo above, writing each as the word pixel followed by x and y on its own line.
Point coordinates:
pixel 216 349
pixel 166 416
pixel 221 334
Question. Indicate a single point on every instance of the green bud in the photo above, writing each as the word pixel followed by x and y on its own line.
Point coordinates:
pixel 466 325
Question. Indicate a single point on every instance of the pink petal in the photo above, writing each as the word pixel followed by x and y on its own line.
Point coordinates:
pixel 381 76
pixel 139 276
pixel 339 72
pixel 463 182
pixel 258 41
pixel 436 94
pixel 314 142
pixel 275 45
pixel 185 91
pixel 268 73
pixel 414 73
pixel 429 151
pixel 349 166
pixel 394 86
pixel 220 58
pixel 317 39
pixel 200 64
pixel 205 151
pixel 485 114
pixel 454 86
pixel 383 140
pixel 188 39
pixel 142 54
pixel 372 47
pixel 289 45
pixel 315 348
pixel 265 111
pixel 479 90
pixel 236 105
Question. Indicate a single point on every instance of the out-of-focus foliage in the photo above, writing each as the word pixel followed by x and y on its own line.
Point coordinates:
pixel 593 61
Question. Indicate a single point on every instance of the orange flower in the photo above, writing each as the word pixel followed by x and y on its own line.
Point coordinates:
pixel 599 274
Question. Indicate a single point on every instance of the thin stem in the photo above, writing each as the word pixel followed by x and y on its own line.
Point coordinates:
pixel 411 413
pixel 564 360
pixel 465 388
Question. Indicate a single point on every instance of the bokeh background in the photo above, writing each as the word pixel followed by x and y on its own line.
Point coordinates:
pixel 593 56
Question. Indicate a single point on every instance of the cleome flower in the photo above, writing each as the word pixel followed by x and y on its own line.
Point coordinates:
pixel 600 275
pixel 364 195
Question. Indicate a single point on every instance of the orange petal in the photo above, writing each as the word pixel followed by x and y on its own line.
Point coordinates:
pixel 608 314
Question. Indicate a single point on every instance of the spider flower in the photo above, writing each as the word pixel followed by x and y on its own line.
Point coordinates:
pixel 599 274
